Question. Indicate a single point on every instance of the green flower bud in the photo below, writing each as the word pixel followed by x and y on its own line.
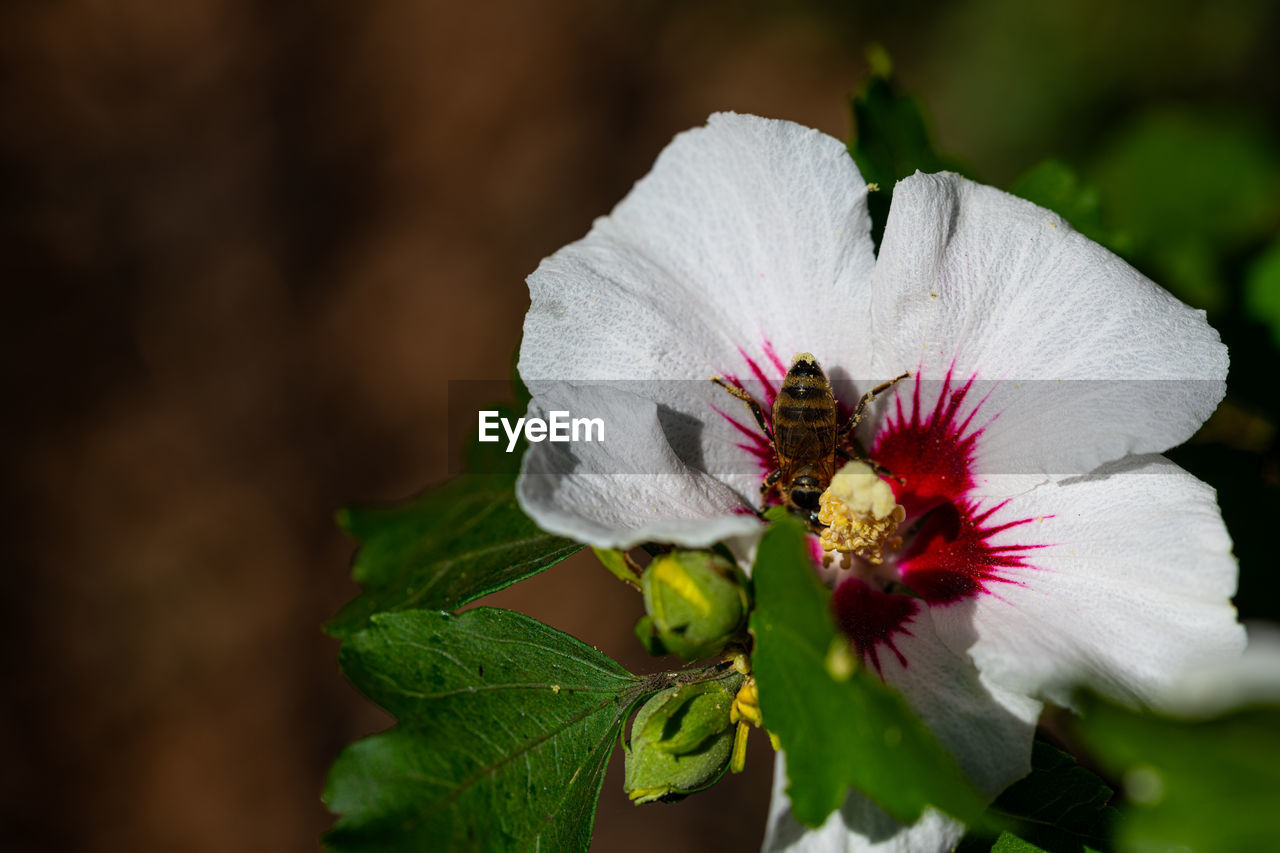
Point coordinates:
pixel 696 604
pixel 681 740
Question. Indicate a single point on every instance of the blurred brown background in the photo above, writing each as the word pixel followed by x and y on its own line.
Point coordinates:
pixel 246 246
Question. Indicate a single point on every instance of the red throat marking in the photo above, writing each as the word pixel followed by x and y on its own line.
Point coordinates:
pixel 949 556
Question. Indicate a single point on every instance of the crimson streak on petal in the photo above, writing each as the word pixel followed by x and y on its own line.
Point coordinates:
pixel 933 455
pixel 871 618
pixel 951 557
pixel 757 444
pixel 950 554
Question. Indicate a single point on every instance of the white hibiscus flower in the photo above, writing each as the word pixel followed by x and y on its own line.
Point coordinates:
pixel 1045 543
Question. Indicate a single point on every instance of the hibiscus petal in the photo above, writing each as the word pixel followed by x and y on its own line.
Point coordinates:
pixel 746 230
pixel 1251 679
pixel 1128 589
pixel 627 489
pixel 747 242
pixel 972 282
pixel 987 728
pixel 858 827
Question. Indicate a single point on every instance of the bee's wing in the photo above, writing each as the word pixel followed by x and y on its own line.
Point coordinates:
pixel 805 445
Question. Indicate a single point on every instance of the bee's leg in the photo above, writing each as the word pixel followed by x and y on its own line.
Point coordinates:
pixel 848 438
pixel 751 404
pixel 766 486
pixel 859 410
pixel 860 455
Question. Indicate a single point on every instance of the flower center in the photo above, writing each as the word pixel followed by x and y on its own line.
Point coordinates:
pixel 921 539
pixel 861 514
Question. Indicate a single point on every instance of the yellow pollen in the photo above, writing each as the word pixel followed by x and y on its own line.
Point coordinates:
pixel 745 711
pixel 746 705
pixel 860 513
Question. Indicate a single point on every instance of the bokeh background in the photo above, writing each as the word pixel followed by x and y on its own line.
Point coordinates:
pixel 246 246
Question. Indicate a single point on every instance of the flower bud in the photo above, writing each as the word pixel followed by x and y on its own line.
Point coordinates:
pixel 695 604
pixel 681 740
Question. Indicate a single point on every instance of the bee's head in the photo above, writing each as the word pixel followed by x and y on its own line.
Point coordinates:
pixel 805 493
pixel 803 364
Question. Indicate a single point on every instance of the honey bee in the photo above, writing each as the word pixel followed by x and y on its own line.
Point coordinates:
pixel 806 434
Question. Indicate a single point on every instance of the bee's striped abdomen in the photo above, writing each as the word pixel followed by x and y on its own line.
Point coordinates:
pixel 804 432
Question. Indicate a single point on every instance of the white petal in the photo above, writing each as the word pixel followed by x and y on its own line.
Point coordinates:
pixel 1251 679
pixel 975 281
pixel 987 728
pixel 1130 591
pixel 749 239
pixel 875 831
pixel 746 230
pixel 627 489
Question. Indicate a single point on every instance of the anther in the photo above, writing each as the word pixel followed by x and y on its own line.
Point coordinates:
pixel 861 514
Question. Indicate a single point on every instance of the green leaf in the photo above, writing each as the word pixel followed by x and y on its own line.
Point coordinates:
pixel 506 726
pixel 1009 843
pixel 1056 186
pixel 1205 785
pixel 1006 843
pixel 444 549
pixel 1171 174
pixel 1059 805
pixel 1059 800
pixel 1262 290
pixel 1189 189
pixel 890 141
pixel 838 731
